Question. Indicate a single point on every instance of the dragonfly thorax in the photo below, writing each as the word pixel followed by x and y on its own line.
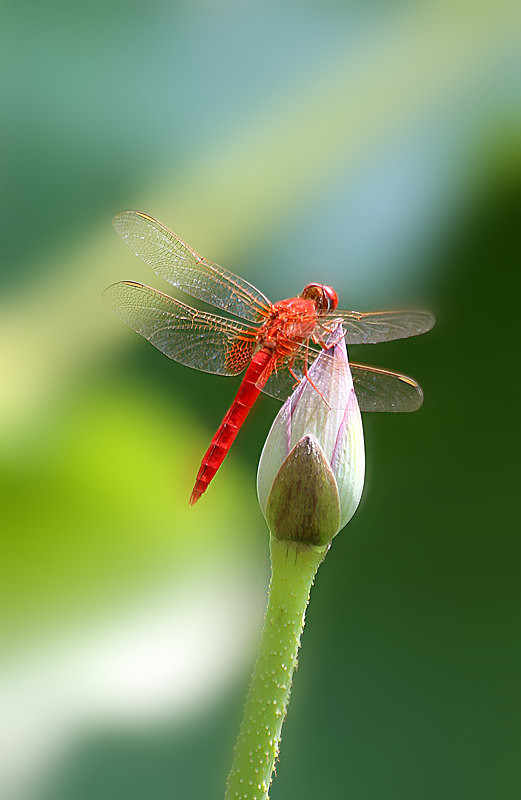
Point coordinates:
pixel 291 320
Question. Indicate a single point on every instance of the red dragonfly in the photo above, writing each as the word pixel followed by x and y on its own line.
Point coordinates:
pixel 276 345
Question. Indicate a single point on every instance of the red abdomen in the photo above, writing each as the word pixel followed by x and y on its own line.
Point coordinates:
pixel 255 378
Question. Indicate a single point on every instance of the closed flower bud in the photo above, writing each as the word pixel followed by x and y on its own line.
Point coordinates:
pixel 312 468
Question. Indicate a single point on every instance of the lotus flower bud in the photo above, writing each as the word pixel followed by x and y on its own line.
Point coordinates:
pixel 312 468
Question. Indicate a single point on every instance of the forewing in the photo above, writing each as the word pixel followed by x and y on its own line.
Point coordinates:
pixel 372 327
pixel 181 266
pixel 194 338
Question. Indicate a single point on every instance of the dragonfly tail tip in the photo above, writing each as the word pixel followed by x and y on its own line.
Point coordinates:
pixel 194 497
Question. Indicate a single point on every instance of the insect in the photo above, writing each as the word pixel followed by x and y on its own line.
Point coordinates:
pixel 275 345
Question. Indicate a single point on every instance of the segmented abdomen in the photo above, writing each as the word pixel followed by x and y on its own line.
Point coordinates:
pixel 255 378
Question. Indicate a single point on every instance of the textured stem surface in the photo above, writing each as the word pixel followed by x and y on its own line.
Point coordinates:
pixel 294 566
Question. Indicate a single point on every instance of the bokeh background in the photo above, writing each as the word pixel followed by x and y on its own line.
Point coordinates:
pixel 371 146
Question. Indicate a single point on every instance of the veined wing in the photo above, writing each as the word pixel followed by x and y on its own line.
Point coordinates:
pixel 376 389
pixel 192 337
pixel 383 390
pixel 181 266
pixel 371 327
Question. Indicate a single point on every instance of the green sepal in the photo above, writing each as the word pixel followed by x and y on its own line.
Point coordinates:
pixel 303 504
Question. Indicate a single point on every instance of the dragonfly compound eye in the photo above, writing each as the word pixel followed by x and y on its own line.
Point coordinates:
pixel 324 297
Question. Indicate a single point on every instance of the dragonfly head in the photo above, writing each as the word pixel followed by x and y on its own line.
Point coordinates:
pixel 324 297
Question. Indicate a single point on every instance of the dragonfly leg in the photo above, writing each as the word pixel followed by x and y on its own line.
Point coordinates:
pixel 316 389
pixel 297 379
pixel 322 342
pixel 306 376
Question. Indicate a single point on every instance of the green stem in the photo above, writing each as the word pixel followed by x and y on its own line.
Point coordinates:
pixel 293 569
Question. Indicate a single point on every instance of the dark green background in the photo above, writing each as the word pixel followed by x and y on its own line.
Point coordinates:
pixel 374 148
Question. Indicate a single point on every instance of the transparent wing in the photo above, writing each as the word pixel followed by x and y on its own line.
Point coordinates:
pixel 194 338
pixel 376 389
pixel 282 383
pixel 372 327
pixel 383 390
pixel 181 266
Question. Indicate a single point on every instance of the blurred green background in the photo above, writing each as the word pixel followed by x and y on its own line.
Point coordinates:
pixel 371 146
